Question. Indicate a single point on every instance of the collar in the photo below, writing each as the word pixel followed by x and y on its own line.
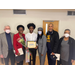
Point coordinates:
pixel 7 33
pixel 69 39
pixel 50 32
pixel 31 33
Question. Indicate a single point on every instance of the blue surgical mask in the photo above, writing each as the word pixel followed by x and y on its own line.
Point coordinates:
pixel 39 32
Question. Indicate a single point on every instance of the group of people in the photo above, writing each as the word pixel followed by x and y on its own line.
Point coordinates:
pixel 49 44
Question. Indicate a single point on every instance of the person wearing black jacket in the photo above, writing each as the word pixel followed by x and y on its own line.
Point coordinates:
pixel 52 43
pixel 66 49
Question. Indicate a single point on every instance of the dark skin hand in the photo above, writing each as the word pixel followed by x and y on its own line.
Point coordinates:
pixel 72 61
pixel 36 47
pixel 17 62
pixel 52 53
pixel 26 48
pixel 18 54
pixel 41 54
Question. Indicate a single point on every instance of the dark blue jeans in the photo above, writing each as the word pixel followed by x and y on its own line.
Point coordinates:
pixel 50 61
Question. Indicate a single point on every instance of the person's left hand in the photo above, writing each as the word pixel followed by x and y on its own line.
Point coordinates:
pixel 41 54
pixel 35 47
pixel 17 62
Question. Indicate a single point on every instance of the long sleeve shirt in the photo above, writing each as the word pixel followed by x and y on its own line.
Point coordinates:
pixel 31 37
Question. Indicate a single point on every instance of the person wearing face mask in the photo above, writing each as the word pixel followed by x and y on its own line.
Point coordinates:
pixel 42 48
pixel 6 46
pixel 66 49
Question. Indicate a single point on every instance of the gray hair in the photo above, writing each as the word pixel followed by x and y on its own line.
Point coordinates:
pixel 67 30
pixel 6 26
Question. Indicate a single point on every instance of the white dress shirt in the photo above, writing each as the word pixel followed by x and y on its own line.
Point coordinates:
pixel 31 37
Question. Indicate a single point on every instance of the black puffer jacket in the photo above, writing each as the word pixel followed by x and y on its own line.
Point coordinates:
pixel 54 40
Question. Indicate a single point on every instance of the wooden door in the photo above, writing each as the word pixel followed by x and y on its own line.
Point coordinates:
pixel 47 22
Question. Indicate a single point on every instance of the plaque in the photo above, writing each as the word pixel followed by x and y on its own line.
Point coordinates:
pixel 31 44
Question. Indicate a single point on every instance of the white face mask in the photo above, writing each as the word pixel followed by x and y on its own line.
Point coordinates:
pixel 66 35
pixel 39 32
pixel 7 31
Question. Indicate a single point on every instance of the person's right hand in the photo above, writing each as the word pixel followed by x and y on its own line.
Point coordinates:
pixel 18 54
pixel 52 53
pixel 26 48
pixel 72 61
pixel 1 56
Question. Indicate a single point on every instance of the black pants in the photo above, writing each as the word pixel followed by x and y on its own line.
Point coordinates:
pixel 33 53
pixel 11 55
pixel 20 58
pixel 63 62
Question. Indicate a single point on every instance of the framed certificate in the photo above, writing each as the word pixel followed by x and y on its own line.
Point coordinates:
pixel 31 44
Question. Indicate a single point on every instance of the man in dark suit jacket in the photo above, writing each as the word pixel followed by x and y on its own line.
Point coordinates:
pixel 52 43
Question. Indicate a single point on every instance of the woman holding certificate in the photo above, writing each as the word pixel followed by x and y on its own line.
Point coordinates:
pixel 31 38
pixel 42 49
pixel 19 43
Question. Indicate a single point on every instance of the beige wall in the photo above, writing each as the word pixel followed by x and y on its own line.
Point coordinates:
pixel 37 16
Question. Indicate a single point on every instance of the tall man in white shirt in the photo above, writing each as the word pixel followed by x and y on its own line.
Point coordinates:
pixel 31 36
